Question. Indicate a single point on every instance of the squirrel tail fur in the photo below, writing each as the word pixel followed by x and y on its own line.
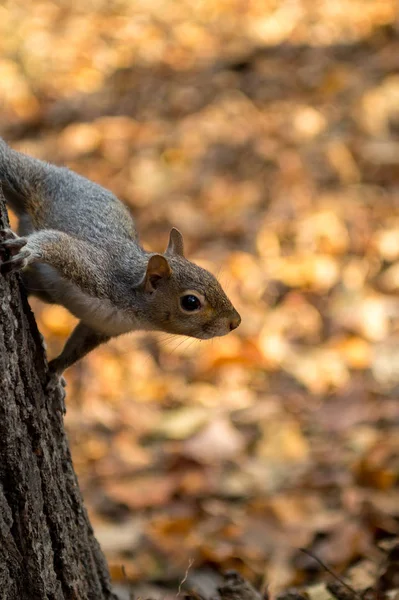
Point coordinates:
pixel 21 177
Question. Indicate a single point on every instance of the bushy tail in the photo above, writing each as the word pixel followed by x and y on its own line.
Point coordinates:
pixel 20 177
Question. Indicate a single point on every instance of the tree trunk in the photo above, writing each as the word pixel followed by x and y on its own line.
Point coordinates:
pixel 47 547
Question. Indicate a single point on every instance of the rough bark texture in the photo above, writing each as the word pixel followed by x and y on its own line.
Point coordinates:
pixel 47 547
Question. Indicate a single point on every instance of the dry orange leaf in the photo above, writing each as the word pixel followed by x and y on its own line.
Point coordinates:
pixel 142 491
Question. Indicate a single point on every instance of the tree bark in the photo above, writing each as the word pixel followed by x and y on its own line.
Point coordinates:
pixel 47 547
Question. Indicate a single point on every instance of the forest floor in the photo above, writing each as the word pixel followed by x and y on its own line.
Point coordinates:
pixel 268 133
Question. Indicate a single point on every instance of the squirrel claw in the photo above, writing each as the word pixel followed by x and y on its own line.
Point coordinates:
pixel 11 244
pixel 15 243
pixel 54 381
pixel 7 236
pixel 17 262
pixel 7 233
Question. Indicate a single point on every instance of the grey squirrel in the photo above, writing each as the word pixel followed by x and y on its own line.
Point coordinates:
pixel 78 247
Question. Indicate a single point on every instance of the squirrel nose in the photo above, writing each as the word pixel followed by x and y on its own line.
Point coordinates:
pixel 235 321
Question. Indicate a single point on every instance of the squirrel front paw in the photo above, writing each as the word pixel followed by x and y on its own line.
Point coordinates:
pixel 54 380
pixel 10 242
pixel 55 388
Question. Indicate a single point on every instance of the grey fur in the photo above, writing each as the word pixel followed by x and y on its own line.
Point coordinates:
pixel 79 248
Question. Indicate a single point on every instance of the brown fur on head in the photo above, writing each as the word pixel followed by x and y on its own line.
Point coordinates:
pixel 185 299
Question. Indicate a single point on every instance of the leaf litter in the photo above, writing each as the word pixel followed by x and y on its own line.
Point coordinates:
pixel 268 133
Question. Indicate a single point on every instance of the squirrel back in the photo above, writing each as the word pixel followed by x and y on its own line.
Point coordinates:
pixel 57 198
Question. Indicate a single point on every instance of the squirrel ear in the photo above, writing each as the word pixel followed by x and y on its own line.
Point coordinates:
pixel 176 245
pixel 158 268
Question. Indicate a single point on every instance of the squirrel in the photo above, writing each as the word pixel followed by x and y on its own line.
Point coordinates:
pixel 77 246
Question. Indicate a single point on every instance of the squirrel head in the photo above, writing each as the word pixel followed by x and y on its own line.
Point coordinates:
pixel 183 298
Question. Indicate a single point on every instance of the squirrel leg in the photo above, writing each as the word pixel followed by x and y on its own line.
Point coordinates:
pixel 82 341
pixel 76 260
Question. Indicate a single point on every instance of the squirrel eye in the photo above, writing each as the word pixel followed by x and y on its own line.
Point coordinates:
pixel 190 303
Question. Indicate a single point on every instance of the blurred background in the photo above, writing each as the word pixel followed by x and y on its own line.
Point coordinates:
pixel 268 133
